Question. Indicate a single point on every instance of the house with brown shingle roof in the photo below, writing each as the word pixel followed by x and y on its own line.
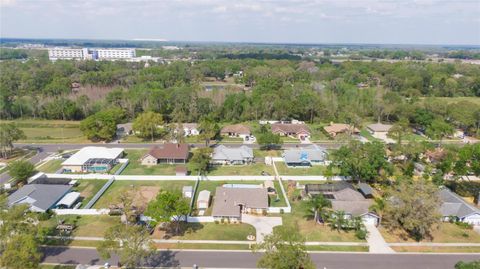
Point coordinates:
pixel 338 128
pixel 230 203
pixel 168 153
pixel 300 131
pixel 236 130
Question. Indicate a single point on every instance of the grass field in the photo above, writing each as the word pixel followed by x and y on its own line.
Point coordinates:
pixel 110 196
pixel 240 170
pixel 264 153
pixel 211 231
pixel 450 100
pixel 203 246
pixel 338 248
pixel 438 249
pixel 446 233
pixel 316 170
pixel 51 166
pixel 51 131
pixel 88 188
pixel 135 167
pixel 93 226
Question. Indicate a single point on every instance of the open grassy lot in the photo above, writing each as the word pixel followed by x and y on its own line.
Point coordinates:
pixel 316 170
pixel 311 230
pixel 264 153
pixel 451 100
pixel 50 131
pixel 203 246
pixel 240 170
pixel 88 188
pixel 438 249
pixel 51 166
pixel 211 231
pixel 317 132
pixel 147 189
pixel 135 167
pixel 338 248
pixel 446 233
pixel 93 226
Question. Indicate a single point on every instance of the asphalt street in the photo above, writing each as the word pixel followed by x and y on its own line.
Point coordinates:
pixel 233 259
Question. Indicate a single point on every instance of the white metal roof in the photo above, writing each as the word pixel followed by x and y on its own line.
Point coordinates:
pixel 87 153
pixel 69 199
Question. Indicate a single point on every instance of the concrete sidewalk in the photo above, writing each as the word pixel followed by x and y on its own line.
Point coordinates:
pixel 376 242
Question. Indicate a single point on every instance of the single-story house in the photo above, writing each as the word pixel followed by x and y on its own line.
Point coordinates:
pixel 93 159
pixel 305 156
pixel 40 197
pixel 338 128
pixel 315 189
pixel 453 206
pixel 203 200
pixel 124 129
pixel 187 191
pixel 236 130
pixel 230 203
pixel 168 153
pixel 300 131
pixel 379 130
pixel 357 209
pixel 232 155
pixel 190 129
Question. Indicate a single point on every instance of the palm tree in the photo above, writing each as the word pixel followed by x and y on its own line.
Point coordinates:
pixel 318 205
pixel 338 220
pixel 378 207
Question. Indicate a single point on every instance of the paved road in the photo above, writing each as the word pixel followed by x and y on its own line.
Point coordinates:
pixel 41 154
pixel 232 259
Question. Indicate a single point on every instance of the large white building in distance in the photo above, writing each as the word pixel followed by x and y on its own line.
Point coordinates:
pixel 90 54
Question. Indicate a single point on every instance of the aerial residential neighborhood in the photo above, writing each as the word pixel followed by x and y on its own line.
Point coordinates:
pixel 240 134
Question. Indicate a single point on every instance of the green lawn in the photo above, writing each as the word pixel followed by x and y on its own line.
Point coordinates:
pixel 110 196
pixel 338 248
pixel 88 188
pixel 315 170
pixel 450 100
pixel 438 249
pixel 51 166
pixel 315 232
pixel 317 132
pixel 367 135
pixel 213 231
pixel 281 202
pixel 240 170
pixel 93 226
pixel 135 167
pixel 446 233
pixel 264 153
pixel 50 131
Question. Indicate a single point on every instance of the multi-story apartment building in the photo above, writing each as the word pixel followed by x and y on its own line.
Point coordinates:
pixel 90 54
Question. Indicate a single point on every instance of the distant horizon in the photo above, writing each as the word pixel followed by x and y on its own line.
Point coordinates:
pixel 161 40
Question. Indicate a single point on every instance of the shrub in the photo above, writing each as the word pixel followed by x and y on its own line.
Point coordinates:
pixel 222 220
pixel 464 225
pixel 282 211
pixel 43 216
pixel 361 234
pixel 216 222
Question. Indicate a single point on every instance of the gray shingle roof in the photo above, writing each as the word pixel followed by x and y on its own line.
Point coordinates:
pixel 227 200
pixel 311 153
pixel 453 205
pixel 40 196
pixel 232 154
pixel 354 208
pixel 365 189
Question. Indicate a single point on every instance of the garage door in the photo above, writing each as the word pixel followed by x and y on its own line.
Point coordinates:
pixel 369 220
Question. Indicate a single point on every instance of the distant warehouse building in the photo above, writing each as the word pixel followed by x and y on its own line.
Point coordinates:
pixel 90 54
pixel 93 159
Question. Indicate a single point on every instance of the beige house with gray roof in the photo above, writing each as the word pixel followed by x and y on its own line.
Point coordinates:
pixel 231 203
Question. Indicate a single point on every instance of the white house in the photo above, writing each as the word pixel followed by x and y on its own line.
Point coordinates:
pixel 380 131
pixel 93 159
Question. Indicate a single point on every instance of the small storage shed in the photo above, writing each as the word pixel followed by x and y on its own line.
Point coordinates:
pixel 203 199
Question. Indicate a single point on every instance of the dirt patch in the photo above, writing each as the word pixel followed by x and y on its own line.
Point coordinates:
pixel 145 194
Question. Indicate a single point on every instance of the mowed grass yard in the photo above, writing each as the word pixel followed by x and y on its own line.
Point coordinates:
pixel 316 170
pixel 88 188
pixel 50 131
pixel 135 166
pixel 240 170
pixel 92 226
pixel 120 186
pixel 51 166
pixel 446 233
pixel 211 231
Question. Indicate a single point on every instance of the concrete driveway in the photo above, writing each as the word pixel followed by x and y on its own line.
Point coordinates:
pixel 375 240
pixel 263 225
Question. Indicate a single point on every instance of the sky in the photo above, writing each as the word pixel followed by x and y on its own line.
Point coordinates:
pixel 279 21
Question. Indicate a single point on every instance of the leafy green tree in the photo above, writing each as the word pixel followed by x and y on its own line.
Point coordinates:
pixel 467 265
pixel 200 160
pixel 148 125
pixel 21 252
pixel 269 140
pixel 439 129
pixel 378 207
pixel 399 130
pixel 338 220
pixel 284 249
pixel 414 208
pixel 169 207
pixel 102 125
pixel 363 162
pixel 9 133
pixel 131 243
pixel 21 170
pixel 208 130
pixel 318 207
